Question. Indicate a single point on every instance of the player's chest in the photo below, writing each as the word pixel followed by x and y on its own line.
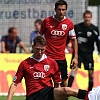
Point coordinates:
pixel 57 29
pixel 38 71
pixel 87 33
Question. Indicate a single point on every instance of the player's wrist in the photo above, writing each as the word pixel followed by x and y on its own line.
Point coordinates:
pixel 82 94
pixel 75 56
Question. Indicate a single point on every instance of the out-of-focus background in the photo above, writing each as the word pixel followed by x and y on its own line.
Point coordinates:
pixel 22 14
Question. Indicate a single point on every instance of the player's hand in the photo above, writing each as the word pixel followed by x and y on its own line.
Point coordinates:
pixel 75 62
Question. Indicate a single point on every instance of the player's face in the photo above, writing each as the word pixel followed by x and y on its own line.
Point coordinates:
pixel 60 12
pixel 13 34
pixel 38 50
pixel 87 19
pixel 37 26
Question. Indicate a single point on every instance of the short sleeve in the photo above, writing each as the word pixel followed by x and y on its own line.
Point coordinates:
pixel 72 31
pixel 3 38
pixel 19 74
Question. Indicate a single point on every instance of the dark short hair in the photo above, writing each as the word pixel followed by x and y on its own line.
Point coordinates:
pixel 38 21
pixel 39 39
pixel 60 2
pixel 10 30
pixel 87 12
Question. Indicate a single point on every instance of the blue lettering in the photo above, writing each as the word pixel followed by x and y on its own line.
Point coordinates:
pixel 35 14
pixel 15 14
pixel 27 1
pixel 36 1
pixel 29 12
pixel 50 1
pixel 43 14
pixel 1 14
pixel 6 1
pixel 9 1
pixel 70 13
pixel 50 13
pixel 8 14
pixel 21 2
pixel 23 14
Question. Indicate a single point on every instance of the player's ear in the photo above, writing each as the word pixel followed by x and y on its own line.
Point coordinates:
pixel 32 45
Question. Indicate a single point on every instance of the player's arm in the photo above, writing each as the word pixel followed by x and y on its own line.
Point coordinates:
pixel 11 91
pixel 72 36
pixel 3 49
pixel 17 78
pixel 75 46
pixel 24 47
pixel 64 92
pixel 98 42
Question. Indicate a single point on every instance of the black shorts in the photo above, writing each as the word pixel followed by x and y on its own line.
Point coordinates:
pixel 86 59
pixel 62 64
pixel 43 94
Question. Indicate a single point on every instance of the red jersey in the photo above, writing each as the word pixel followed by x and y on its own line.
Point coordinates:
pixel 56 33
pixel 37 73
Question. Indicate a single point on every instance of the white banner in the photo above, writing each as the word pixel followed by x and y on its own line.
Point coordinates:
pixel 22 13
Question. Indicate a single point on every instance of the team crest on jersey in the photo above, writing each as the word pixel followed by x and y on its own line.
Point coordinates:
pixel 15 78
pixel 89 34
pixel 64 26
pixel 46 67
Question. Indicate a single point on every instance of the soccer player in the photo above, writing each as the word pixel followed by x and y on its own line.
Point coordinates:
pixel 56 29
pixel 37 70
pixel 9 42
pixel 87 34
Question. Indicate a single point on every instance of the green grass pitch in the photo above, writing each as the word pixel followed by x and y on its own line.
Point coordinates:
pixel 23 98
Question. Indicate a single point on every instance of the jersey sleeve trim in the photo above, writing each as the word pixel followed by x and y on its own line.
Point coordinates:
pixel 72 33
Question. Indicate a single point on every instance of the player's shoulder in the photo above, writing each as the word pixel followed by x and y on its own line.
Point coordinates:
pixel 5 36
pixel 79 24
pixel 68 20
pixel 25 60
pixel 94 26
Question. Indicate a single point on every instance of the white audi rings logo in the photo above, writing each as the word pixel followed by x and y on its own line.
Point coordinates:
pixel 58 33
pixel 38 75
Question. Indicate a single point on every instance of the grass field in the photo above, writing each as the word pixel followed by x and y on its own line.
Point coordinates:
pixel 23 98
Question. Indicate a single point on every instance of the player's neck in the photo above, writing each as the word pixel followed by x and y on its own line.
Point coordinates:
pixel 87 24
pixel 58 18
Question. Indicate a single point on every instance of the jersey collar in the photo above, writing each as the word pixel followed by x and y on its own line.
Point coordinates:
pixel 42 58
pixel 58 20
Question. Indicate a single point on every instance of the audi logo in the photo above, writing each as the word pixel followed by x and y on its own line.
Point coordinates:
pixel 58 33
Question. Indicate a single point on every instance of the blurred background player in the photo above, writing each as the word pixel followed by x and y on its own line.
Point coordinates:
pixel 37 26
pixel 56 29
pixel 87 34
pixel 9 42
pixel 33 34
